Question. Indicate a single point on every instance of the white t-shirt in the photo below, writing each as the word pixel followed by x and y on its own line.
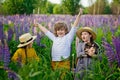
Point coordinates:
pixel 61 45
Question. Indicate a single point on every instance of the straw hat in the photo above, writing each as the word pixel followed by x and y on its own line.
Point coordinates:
pixel 26 39
pixel 88 29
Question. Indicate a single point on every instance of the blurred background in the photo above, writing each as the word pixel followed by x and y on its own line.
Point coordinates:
pixel 10 7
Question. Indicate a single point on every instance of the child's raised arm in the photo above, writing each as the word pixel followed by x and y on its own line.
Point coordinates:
pixel 77 18
pixel 43 29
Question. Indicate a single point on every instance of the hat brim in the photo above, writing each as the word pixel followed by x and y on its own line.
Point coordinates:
pixel 78 33
pixel 22 45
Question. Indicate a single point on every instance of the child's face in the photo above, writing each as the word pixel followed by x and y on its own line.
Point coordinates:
pixel 85 36
pixel 61 32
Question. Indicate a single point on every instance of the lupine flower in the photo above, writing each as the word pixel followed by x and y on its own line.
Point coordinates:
pixel 109 52
pixel 38 39
pixel 88 20
pixel 1 31
pixel 12 75
pixel 116 43
pixel 113 52
pixel 1 51
pixel 6 54
pixel 10 34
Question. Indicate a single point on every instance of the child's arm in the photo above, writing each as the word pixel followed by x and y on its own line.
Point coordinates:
pixel 77 18
pixel 46 31
pixel 74 28
pixel 43 29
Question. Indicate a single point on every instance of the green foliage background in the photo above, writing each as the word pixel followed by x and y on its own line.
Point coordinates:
pixel 11 7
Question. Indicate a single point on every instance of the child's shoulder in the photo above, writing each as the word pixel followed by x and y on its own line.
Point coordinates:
pixel 20 50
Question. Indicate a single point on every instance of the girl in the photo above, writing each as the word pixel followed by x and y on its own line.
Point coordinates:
pixel 25 52
pixel 86 49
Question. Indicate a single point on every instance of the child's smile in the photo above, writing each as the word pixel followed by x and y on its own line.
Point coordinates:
pixel 61 32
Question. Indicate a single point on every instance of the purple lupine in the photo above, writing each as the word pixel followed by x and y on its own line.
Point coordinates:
pixel 111 54
pixel 1 31
pixel 38 39
pixel 10 34
pixel 1 51
pixel 10 30
pixel 109 51
pixel 12 75
pixel 16 28
pixel 88 20
pixel 116 43
pixel 26 30
pixel 39 36
pixel 6 54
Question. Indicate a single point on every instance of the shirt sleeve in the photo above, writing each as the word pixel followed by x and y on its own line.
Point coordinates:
pixel 72 33
pixel 50 35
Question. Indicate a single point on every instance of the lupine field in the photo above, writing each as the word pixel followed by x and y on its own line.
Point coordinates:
pixel 106 66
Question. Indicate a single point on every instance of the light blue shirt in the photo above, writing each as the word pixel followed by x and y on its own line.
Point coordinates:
pixel 61 45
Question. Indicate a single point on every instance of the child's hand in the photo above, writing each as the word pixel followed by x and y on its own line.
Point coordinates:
pixel 91 51
pixel 77 18
pixel 42 28
pixel 37 24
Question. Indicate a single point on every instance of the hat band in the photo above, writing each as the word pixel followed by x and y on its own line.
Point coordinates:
pixel 27 41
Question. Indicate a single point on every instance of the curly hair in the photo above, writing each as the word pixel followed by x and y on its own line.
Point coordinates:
pixel 60 25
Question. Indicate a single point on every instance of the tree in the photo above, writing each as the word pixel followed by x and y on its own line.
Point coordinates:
pixel 0 7
pixel 58 9
pixel 98 7
pixel 3 9
pixel 107 10
pixel 115 6
pixel 12 6
pixel 41 6
pixel 19 6
pixel 28 6
pixel 71 6
pixel 49 7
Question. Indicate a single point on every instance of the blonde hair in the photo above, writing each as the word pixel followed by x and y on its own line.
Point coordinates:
pixel 60 25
